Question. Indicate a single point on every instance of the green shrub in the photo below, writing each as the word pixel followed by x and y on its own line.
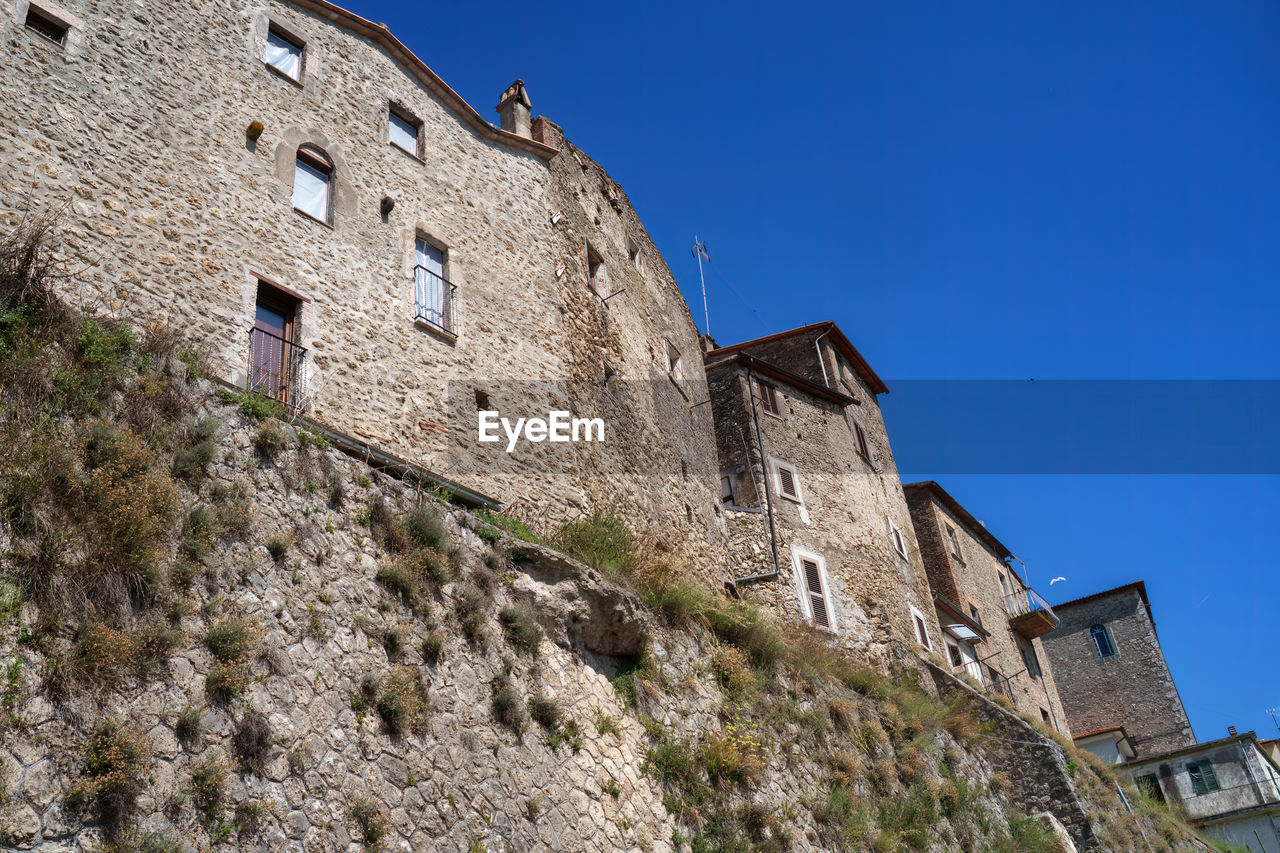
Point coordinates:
pixel 231 639
pixel 403 702
pixel 372 823
pixel 254 406
pixel 271 438
pixel 425 526
pixel 521 628
pixel 506 705
pixel 469 605
pixel 544 710
pixel 515 526
pixel 209 787
pixel 115 767
pixel 431 647
pixel 601 541
pixel 226 680
pixel 189 725
pixel 277 547
pixel 313 439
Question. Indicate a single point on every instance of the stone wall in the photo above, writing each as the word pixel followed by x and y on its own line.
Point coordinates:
pixel 1134 688
pixel 972 580
pixel 842 518
pixel 134 134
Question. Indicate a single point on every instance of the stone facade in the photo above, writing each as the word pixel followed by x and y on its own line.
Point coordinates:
pixel 168 147
pixel 1131 687
pixel 973 585
pixel 843 507
pixel 1237 797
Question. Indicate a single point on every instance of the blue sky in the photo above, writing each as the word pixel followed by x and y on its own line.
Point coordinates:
pixel 989 191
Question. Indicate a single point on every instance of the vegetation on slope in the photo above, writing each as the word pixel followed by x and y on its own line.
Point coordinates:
pixel 111 530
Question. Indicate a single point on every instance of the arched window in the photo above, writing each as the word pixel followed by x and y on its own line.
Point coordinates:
pixel 1102 641
pixel 313 184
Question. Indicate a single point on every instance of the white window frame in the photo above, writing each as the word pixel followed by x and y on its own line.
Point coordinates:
pixel 777 464
pixel 798 556
pixel 305 162
pixel 897 541
pixel 1111 641
pixel 922 625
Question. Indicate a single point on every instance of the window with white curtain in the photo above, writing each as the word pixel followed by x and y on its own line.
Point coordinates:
pixel 312 181
pixel 284 54
pixel 403 133
pixel 431 290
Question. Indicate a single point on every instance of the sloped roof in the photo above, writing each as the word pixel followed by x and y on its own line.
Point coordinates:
pixel 971 524
pixel 1140 586
pixel 759 365
pixel 829 328
pixel 381 35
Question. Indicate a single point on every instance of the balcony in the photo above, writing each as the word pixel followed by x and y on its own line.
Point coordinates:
pixel 433 302
pixel 1029 614
pixel 277 368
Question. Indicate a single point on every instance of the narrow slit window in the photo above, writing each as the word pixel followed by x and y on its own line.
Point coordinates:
pixel 922 631
pixel 46 26
pixel 954 542
pixel 404 133
pixel 726 490
pixel 675 366
pixel 312 184
pixel 284 54
pixel 598 275
pixel 861 438
pixel 895 537
pixel 1102 641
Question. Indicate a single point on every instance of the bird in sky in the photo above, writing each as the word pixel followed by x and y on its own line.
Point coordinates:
pixel 1055 580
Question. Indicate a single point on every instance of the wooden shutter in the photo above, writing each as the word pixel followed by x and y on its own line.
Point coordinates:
pixel 1197 779
pixel 862 441
pixel 817 598
pixel 768 397
pixel 787 482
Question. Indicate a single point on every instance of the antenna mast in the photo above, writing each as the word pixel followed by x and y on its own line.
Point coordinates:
pixel 700 252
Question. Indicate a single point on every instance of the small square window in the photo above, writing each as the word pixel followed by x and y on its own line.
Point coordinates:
pixel 404 133
pixel 284 54
pixel 726 490
pixel 1203 779
pixel 43 24
pixel 768 396
pixel 787 481
pixel 953 652
pixel 675 366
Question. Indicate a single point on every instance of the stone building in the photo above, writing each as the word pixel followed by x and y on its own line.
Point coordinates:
pixel 991 620
pixel 1110 672
pixel 1229 787
pixel 310 202
pixel 818 525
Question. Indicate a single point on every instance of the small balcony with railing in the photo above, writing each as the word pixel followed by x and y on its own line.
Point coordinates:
pixel 433 302
pixel 277 368
pixel 1029 614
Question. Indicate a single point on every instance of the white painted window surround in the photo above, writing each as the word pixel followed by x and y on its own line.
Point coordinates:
pixel 402 133
pixel 786 481
pixel 311 189
pixel 921 627
pixel 813 586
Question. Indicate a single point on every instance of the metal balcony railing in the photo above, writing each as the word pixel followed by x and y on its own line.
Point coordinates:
pixel 277 368
pixel 433 300
pixel 1029 613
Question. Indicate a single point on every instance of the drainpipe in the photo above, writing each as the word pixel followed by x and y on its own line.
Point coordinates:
pixel 821 363
pixel 768 495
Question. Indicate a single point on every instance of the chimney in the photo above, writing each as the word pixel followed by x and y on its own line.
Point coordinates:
pixel 514 107
pixel 1231 730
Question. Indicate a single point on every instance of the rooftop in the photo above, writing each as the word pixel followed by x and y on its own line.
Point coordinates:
pixel 826 327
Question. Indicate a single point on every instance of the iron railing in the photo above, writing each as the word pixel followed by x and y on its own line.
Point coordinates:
pixel 433 299
pixel 277 368
pixel 994 681
pixel 1026 602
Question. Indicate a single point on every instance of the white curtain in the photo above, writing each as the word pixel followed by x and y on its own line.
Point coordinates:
pixel 284 56
pixel 311 191
pixel 403 134
pixel 429 281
